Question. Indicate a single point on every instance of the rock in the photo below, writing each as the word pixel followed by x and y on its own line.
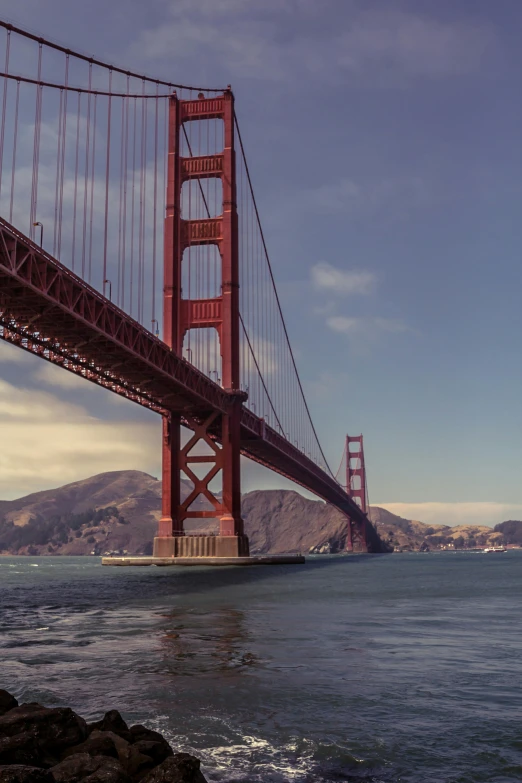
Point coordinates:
pixel 19 773
pixel 82 767
pixel 7 702
pixel 157 751
pixel 140 732
pixel 26 749
pixel 100 745
pixel 179 768
pixel 119 742
pixel 130 757
pixel 151 743
pixel 53 728
pixel 112 721
pixel 134 762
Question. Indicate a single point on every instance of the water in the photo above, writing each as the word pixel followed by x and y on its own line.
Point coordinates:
pixel 369 668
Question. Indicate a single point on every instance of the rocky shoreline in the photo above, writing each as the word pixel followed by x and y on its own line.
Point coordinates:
pixel 55 745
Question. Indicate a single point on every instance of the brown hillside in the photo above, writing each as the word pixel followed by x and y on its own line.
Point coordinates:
pixel 118 512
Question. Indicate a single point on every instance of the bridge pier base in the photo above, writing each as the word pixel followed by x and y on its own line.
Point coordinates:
pixel 201 546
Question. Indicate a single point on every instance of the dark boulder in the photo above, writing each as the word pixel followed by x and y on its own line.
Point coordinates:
pixel 53 728
pixel 97 769
pixel 140 732
pixel 7 702
pixel 157 751
pixel 112 721
pixel 118 741
pixel 151 743
pixel 130 757
pixel 100 745
pixel 179 768
pixel 25 748
pixel 19 773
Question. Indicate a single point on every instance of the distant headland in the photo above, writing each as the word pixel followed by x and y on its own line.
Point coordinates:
pixel 117 513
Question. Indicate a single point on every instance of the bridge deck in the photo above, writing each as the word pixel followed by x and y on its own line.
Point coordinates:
pixel 48 310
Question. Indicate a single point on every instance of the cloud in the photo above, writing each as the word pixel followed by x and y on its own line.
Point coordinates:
pixel 288 39
pixel 338 281
pixel 394 198
pixel 355 326
pixel 470 513
pixel 53 375
pixel 413 44
pixel 11 353
pixel 48 442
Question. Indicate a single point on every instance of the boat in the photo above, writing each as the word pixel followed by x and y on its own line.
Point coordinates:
pixel 490 549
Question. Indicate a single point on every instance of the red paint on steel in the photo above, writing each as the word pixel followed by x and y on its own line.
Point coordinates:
pixel 221 313
pixel 356 488
pixel 49 311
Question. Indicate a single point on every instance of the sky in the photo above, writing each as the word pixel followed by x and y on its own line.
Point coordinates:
pixel 384 142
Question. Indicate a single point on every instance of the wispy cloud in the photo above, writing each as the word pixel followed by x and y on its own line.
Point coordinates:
pixel 48 442
pixel 390 198
pixel 52 375
pixel 11 353
pixel 339 281
pixel 285 39
pixel 354 326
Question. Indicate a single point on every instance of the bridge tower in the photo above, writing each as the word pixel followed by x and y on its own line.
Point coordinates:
pixel 219 432
pixel 356 487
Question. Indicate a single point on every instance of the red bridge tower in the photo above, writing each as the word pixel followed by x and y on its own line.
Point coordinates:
pixel 221 313
pixel 356 487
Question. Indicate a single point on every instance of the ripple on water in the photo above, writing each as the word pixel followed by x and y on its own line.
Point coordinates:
pixel 371 669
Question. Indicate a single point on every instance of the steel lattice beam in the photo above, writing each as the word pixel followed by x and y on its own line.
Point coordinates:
pixel 51 312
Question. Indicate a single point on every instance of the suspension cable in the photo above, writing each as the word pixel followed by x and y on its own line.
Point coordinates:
pixel 45 42
pixel 247 171
pixel 240 317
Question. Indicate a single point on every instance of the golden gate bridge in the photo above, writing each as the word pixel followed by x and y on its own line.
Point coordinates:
pixel 132 254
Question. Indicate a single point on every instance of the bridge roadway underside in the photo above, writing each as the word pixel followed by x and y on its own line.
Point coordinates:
pixel 49 311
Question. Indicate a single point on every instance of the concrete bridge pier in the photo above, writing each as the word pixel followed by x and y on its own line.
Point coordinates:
pixel 201 546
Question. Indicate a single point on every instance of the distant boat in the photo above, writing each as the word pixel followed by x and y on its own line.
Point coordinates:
pixel 491 549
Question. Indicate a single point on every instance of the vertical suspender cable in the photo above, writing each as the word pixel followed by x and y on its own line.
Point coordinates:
pixel 15 139
pixel 120 213
pixel 124 218
pixel 36 144
pixel 107 177
pixel 92 176
pixel 62 161
pixel 75 200
pixel 132 229
pixel 86 175
pixel 155 209
pixel 4 107
pixel 58 159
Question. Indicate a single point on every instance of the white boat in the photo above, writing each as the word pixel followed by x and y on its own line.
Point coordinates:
pixel 491 549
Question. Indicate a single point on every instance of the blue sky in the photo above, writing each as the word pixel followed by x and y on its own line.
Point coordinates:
pixel 384 143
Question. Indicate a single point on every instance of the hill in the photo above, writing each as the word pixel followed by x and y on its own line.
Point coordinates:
pixel 411 535
pixel 511 532
pixel 118 512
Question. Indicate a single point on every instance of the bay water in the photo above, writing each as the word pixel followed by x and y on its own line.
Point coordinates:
pixel 387 668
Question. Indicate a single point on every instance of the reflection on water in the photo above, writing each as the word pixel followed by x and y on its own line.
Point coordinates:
pixel 196 642
pixel 399 668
